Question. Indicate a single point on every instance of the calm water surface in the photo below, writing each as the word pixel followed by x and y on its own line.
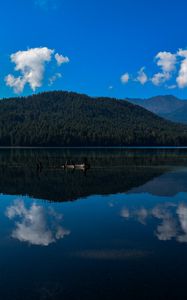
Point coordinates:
pixel 117 231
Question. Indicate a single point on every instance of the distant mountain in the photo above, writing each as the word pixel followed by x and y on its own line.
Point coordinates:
pixel 70 119
pixel 169 107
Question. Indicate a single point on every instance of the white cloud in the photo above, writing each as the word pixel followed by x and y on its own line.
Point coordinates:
pixel 167 61
pixel 31 64
pixel 34 226
pixel 173 68
pixel 160 78
pixel 182 76
pixel 125 78
pixel 61 59
pixel 53 78
pixel 17 83
pixel 142 77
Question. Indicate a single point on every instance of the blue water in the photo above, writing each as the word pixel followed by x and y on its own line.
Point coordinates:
pixel 118 231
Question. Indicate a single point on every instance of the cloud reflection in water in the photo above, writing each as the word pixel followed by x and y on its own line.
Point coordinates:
pixel 172 220
pixel 36 225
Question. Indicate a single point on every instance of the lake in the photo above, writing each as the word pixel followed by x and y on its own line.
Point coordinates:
pixel 115 231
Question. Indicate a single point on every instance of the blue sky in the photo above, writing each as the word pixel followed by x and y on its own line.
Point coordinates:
pixel 102 45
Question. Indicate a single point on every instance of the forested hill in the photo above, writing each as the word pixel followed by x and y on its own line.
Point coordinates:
pixel 70 119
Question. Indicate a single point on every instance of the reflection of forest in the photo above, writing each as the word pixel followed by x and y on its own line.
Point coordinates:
pixel 112 171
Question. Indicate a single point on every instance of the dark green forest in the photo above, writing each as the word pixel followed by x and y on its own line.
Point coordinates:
pixel 69 119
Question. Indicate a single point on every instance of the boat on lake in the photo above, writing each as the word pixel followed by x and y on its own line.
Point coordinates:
pixel 83 166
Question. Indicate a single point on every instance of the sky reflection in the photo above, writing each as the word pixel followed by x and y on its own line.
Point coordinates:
pixel 171 218
pixel 35 224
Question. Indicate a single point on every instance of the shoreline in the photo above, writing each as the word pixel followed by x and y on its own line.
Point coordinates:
pixel 99 147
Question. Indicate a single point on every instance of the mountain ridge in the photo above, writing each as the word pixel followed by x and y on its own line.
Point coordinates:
pixel 166 106
pixel 70 119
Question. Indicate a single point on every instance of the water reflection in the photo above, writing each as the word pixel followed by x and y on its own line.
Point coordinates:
pixel 168 184
pixel 119 171
pixel 36 225
pixel 171 219
pixel 83 249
